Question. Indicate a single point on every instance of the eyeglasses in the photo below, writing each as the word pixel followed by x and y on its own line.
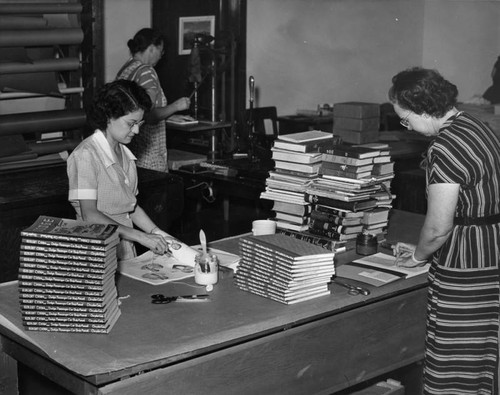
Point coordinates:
pixel 138 124
pixel 404 121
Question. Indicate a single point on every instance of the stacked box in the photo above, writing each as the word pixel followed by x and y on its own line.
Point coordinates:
pixel 356 122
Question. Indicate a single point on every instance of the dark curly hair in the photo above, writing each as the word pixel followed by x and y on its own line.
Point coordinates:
pixel 114 100
pixel 423 91
pixel 143 39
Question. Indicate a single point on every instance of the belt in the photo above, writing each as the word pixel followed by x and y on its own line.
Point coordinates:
pixel 489 220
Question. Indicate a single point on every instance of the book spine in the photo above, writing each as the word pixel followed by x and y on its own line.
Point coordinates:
pixel 327 217
pixel 323 225
pixel 63 285
pixel 59 237
pixel 72 275
pixel 346 160
pixel 341 173
pixel 63 302
pixel 61 262
pixel 327 233
pixel 67 257
pixel 339 204
pixel 340 152
pixel 331 211
pixel 81 269
pixel 90 248
pixel 330 245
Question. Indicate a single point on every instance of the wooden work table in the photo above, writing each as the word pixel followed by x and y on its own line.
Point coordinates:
pixel 235 343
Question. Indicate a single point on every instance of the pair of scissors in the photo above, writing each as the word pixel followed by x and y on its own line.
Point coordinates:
pixel 162 299
pixel 353 289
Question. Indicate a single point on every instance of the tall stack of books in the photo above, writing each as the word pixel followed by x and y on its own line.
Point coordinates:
pixel 284 269
pixel 67 276
pixel 347 190
pixel 297 162
pixel 356 122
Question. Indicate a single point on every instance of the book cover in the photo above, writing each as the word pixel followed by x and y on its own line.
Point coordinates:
pixel 375 216
pixel 351 151
pixel 382 159
pixel 345 160
pixel 298 157
pixel 292 208
pixel 293 249
pixel 312 146
pixel 383 168
pixel 295 219
pixel 275 262
pixel 306 136
pixel 301 167
pixel 378 269
pixel 290 225
pixel 62 229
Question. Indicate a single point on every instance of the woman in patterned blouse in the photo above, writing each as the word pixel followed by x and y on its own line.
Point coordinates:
pixel 460 235
pixel 150 146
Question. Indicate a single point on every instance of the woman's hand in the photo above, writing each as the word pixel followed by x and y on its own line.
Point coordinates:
pixel 155 243
pixel 182 104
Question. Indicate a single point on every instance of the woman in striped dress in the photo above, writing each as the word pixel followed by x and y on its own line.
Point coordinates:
pixel 460 235
pixel 150 145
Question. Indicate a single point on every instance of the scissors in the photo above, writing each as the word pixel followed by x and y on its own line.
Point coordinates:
pixel 353 289
pixel 162 299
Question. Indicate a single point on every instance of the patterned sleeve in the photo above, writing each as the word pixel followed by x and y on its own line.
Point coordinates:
pixel 450 163
pixel 82 176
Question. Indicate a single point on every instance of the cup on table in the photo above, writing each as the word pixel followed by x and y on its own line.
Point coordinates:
pixel 263 227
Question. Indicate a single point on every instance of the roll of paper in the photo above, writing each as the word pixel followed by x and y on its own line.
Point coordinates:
pixel 43 121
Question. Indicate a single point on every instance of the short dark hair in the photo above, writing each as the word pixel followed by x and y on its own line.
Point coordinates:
pixel 114 100
pixel 423 91
pixel 143 39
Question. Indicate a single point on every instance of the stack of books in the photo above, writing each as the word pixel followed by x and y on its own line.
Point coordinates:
pixel 297 161
pixel 67 276
pixel 356 122
pixel 284 269
pixel 348 191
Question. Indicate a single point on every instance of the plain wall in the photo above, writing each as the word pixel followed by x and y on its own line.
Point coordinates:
pixel 308 52
pixel 305 53
pixel 122 19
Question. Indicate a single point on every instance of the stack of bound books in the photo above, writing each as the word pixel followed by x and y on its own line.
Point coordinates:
pixel 297 161
pixel 67 276
pixel 284 269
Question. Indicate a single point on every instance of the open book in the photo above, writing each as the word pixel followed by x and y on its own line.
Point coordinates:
pixel 378 269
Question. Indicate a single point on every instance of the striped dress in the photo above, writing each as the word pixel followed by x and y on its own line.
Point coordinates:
pixel 461 354
pixel 150 145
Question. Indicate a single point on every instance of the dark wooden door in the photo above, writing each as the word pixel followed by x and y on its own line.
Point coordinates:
pixel 230 41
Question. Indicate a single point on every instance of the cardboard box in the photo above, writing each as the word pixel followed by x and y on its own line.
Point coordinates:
pixel 359 124
pixel 357 137
pixel 356 110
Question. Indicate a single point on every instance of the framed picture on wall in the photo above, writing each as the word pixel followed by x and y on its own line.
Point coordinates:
pixel 191 25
